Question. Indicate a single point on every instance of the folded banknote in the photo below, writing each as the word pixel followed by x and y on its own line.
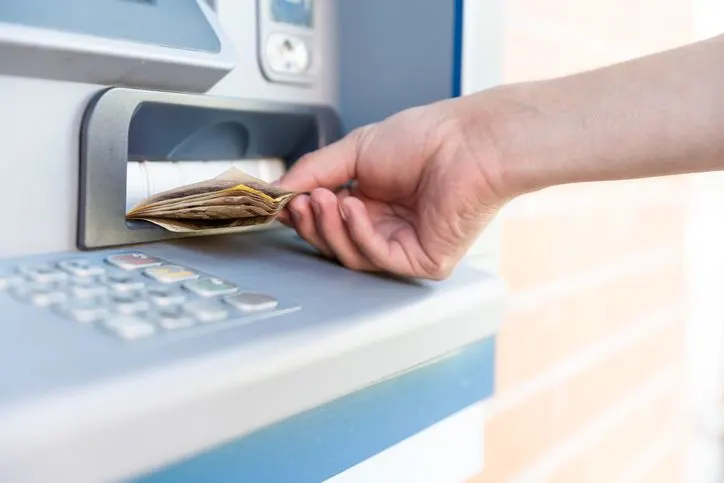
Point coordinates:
pixel 233 199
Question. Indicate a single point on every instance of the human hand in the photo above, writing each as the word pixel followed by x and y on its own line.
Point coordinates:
pixel 421 192
pixel 428 180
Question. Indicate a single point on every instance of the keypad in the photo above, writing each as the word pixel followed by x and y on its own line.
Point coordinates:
pixel 133 296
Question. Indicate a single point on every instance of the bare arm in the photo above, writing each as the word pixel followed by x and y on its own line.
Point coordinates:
pixel 657 115
pixel 429 179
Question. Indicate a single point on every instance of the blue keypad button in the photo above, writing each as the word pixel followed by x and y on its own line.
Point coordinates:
pixel 87 287
pixel 80 267
pixel 85 310
pixel 207 310
pixel 165 295
pixel 44 297
pixel 44 274
pixel 128 303
pixel 129 327
pixel 10 281
pixel 41 295
pixel 121 282
pixel 172 318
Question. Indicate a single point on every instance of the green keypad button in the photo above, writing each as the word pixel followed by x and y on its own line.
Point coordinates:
pixel 210 287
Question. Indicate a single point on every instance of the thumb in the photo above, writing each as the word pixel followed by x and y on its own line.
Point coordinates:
pixel 329 167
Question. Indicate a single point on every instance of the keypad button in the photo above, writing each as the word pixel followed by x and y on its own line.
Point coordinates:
pixel 171 274
pixel 173 318
pixel 46 298
pixel 129 327
pixel 165 295
pixel 89 292
pixel 132 261
pixel 128 303
pixel 25 287
pixel 121 282
pixel 207 310
pixel 252 301
pixel 83 281
pixel 10 281
pixel 87 287
pixel 84 311
pixel 39 295
pixel 210 287
pixel 81 268
pixel 44 274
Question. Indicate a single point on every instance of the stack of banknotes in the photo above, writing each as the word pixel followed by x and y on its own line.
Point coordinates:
pixel 231 200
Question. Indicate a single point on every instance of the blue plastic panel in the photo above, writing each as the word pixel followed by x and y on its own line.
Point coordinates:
pixel 396 55
pixel 177 24
pixel 325 441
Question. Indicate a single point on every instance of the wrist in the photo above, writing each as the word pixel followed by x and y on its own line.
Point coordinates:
pixel 515 125
pixel 500 125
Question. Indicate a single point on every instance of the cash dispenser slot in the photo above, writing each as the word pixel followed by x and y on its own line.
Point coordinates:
pixel 147 178
pixel 126 133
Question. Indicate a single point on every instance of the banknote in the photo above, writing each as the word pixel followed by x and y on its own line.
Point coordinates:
pixel 231 200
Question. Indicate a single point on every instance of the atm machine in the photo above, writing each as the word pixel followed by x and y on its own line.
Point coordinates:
pixel 128 353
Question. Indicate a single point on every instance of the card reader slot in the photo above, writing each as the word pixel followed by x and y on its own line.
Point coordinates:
pixel 135 143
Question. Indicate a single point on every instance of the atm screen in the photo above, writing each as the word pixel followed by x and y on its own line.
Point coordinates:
pixel 294 12
pixel 179 24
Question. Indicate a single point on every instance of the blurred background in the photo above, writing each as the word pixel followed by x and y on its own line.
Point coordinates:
pixel 609 366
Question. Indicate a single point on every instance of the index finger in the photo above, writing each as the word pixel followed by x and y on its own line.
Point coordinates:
pixel 328 167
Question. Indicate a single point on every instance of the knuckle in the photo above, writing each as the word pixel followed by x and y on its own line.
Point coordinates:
pixel 442 270
pixel 354 264
pixel 361 135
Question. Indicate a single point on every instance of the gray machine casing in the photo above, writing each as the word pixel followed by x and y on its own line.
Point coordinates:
pixel 49 104
pixel 92 408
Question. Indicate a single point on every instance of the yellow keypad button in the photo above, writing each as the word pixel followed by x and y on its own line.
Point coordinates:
pixel 171 274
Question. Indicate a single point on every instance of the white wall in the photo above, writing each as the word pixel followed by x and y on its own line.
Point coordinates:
pixel 705 272
pixel 483 68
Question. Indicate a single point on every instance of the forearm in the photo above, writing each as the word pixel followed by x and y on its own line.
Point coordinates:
pixel 654 116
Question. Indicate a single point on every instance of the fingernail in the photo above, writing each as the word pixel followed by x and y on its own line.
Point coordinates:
pixel 276 182
pixel 343 211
